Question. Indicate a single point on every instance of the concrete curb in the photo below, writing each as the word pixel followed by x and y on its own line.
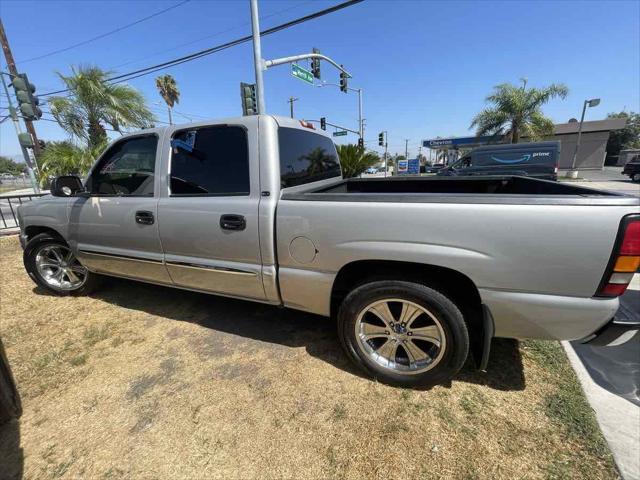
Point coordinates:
pixel 618 418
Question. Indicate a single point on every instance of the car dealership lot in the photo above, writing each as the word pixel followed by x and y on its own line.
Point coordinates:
pixel 140 380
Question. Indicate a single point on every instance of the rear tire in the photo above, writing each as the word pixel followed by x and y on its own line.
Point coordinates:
pixel 403 333
pixel 51 264
pixel 635 177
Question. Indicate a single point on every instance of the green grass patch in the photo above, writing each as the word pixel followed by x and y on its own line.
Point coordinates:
pixel 567 406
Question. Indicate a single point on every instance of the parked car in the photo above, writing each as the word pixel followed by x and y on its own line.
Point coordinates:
pixel 417 271
pixel 371 170
pixel 7 176
pixel 539 160
pixel 435 168
pixel 632 169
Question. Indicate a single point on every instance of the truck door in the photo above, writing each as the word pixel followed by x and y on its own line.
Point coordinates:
pixel 114 229
pixel 208 215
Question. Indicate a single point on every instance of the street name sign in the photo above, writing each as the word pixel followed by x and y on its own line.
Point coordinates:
pixel 299 72
pixel 340 133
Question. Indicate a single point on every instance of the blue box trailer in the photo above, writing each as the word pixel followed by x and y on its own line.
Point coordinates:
pixel 539 160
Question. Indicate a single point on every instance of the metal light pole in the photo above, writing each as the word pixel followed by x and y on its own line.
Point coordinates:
pixel 573 173
pixel 386 152
pixel 290 102
pixel 16 124
pixel 257 57
pixel 360 118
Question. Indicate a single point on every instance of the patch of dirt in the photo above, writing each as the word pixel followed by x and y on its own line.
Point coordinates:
pixel 138 381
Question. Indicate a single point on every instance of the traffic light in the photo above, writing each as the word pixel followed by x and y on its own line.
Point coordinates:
pixel 343 81
pixel 248 94
pixel 381 139
pixel 315 65
pixel 27 101
pixel 361 143
pixel 323 123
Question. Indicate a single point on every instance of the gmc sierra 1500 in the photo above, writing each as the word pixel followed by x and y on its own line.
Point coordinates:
pixel 417 271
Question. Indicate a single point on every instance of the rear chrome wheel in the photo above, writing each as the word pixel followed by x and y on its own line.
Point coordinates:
pixel 400 335
pixel 403 333
pixel 59 268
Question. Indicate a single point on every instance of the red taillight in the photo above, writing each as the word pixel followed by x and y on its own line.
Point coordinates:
pixel 631 240
pixel 624 260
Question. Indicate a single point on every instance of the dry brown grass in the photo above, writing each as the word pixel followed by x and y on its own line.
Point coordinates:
pixel 148 382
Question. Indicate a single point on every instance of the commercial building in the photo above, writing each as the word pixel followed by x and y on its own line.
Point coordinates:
pixel 591 155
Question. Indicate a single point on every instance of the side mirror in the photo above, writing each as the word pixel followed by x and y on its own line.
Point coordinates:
pixel 66 186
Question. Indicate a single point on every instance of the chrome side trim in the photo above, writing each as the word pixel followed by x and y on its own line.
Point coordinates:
pixel 232 271
pixel 123 257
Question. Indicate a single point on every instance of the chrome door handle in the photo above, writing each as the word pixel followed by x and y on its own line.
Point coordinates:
pixel 232 222
pixel 144 217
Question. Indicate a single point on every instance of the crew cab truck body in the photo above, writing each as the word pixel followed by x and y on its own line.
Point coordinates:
pixel 418 271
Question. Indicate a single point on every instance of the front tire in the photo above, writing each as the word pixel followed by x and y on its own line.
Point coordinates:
pixel 403 333
pixel 635 177
pixel 52 265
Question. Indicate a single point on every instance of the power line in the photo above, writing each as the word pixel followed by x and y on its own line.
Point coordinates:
pixel 124 27
pixel 187 58
pixel 262 17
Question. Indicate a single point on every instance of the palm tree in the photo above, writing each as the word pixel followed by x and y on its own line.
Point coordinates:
pixel 92 103
pixel 516 111
pixel 355 160
pixel 67 158
pixel 168 89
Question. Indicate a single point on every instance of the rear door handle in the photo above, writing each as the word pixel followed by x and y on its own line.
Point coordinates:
pixel 232 222
pixel 144 217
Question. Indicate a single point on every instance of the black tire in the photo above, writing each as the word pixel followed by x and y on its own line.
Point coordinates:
pixel 29 258
pixel 635 177
pixel 444 310
pixel 10 405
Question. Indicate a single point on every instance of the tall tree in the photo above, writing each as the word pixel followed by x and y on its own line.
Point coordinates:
pixel 7 165
pixel 168 89
pixel 627 137
pixel 92 103
pixel 355 160
pixel 515 111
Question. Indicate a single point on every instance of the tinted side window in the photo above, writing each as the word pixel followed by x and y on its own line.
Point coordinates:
pixel 126 169
pixel 306 157
pixel 210 161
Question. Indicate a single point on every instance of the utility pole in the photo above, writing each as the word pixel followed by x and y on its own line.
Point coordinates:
pixel 290 101
pixel 406 149
pixel 386 152
pixel 11 65
pixel 257 57
pixel 16 124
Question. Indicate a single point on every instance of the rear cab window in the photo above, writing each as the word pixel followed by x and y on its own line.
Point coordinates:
pixel 306 157
pixel 210 161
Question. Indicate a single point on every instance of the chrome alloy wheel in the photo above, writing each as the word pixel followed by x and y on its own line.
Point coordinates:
pixel 58 267
pixel 400 335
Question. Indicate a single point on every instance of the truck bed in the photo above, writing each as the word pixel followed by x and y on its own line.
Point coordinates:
pixel 495 189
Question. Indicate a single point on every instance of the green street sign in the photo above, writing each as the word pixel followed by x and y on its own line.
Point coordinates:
pixel 340 133
pixel 299 72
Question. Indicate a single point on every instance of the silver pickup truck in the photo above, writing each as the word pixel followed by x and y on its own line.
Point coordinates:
pixel 418 272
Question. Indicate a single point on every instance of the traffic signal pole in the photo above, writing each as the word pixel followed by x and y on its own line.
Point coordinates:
pixel 11 65
pixel 260 64
pixel 257 57
pixel 16 124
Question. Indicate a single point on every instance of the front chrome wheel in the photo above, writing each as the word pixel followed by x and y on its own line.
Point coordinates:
pixel 400 335
pixel 59 268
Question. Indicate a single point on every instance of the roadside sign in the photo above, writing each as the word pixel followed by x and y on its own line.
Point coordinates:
pixel 299 72
pixel 413 167
pixel 340 133
pixel 403 166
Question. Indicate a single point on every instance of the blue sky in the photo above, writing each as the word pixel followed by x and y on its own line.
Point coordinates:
pixel 425 66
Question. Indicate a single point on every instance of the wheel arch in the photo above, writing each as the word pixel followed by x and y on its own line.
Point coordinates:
pixel 33 230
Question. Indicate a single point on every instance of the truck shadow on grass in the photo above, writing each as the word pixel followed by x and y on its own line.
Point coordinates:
pixel 249 326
